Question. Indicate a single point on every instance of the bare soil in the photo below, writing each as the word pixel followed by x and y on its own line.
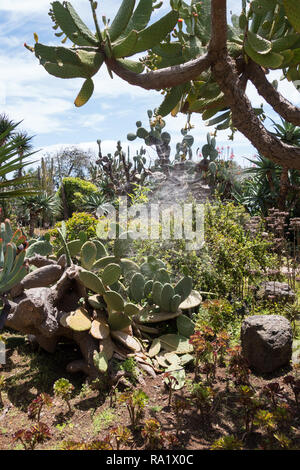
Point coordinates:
pixel 29 373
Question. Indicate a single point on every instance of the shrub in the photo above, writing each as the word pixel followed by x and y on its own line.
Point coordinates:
pixel 76 191
pixel 80 221
pixel 230 256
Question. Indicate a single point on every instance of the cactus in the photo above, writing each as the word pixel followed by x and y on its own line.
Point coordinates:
pixel 126 35
pixel 114 301
pixel 95 301
pixel 137 286
pixel 88 254
pixel 92 282
pixel 12 257
pixel 121 173
pixel 79 320
pixel 126 340
pixel 111 274
pixel 41 247
pixel 184 287
pixel 113 310
pixel 118 321
pixel 166 296
pixel 99 329
pixel 101 361
pixel 154 137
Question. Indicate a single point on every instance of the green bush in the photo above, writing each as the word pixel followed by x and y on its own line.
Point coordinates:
pixel 230 260
pixel 76 191
pixel 80 221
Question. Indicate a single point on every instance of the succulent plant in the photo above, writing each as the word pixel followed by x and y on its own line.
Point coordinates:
pixel 12 257
pixel 125 36
pixel 122 172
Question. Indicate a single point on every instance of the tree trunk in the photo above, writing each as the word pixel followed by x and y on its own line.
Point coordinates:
pixel 284 187
pixel 32 223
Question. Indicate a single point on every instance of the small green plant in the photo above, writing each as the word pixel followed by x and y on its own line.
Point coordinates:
pixel 93 445
pixel 272 391
pixel 294 384
pixel 179 406
pixel 170 380
pixel 202 347
pixel 265 421
pixel 153 435
pixel 203 397
pixel 130 366
pixel 238 367
pixel 63 389
pixel 135 403
pixel 103 420
pixel 227 443
pixel 29 438
pixel 122 436
pixel 36 406
pixel 2 388
pixel 155 409
pixel 250 405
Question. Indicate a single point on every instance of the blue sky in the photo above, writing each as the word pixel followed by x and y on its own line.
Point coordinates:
pixel 45 103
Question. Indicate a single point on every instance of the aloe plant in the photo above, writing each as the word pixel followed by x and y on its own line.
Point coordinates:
pixel 12 257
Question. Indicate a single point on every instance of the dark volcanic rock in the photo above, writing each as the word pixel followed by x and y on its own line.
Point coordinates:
pixel 277 291
pixel 266 342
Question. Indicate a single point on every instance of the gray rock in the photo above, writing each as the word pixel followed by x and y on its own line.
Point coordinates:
pixel 266 342
pixel 277 291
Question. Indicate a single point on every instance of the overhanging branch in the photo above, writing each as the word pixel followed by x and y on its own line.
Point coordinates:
pixel 164 78
pixel 246 121
pixel 279 103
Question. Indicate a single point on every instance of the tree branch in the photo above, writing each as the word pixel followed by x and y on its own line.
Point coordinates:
pixel 279 103
pixel 245 120
pixel 164 78
pixel 218 41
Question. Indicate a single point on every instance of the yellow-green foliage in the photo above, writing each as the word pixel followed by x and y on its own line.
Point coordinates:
pixel 230 254
pixel 80 221
pixel 76 190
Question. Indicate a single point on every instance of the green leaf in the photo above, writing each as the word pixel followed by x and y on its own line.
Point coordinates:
pixel 114 301
pixel 185 326
pixel 100 361
pixel 131 65
pixel 85 93
pixel 292 9
pixel 259 44
pixel 271 60
pixel 118 321
pixel 157 32
pixel 171 100
pixel 140 17
pixel 125 47
pixel 81 27
pixel 286 42
pixel 177 343
pixel 66 23
pixel 121 20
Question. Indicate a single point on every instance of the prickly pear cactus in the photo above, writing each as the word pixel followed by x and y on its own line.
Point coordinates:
pixel 126 35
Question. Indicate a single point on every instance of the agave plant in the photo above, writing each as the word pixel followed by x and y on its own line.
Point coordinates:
pixel 96 203
pixel 11 161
